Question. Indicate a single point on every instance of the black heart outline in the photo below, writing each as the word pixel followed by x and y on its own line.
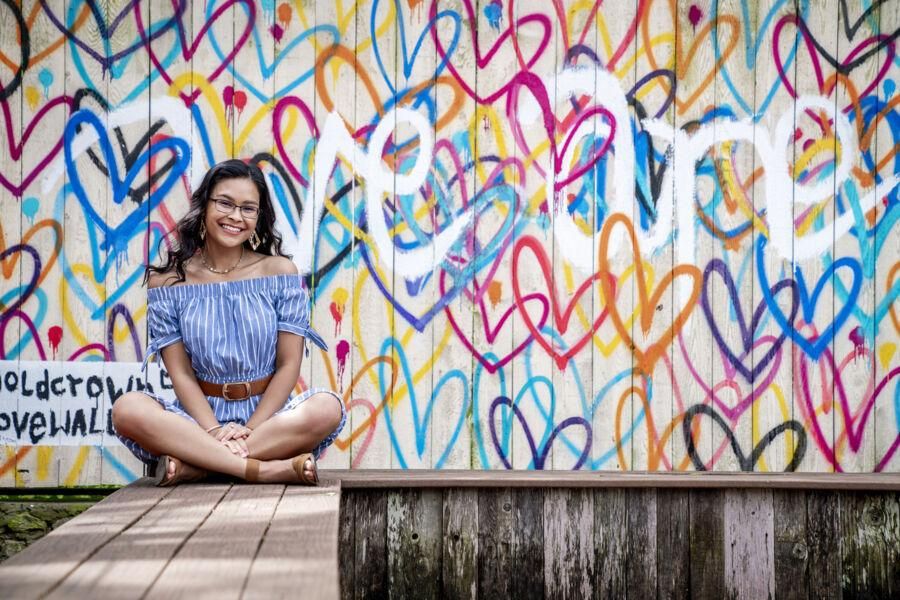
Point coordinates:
pixel 25 45
pixel 747 463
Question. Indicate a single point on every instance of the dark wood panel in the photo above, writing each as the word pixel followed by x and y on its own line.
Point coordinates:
pixel 610 542
pixel 707 544
pixel 568 543
pixel 495 532
pixel 527 550
pixel 414 543
pixel 870 548
pixel 370 550
pixel 791 550
pixel 640 566
pixel 347 541
pixel 749 531
pixel 673 564
pixel 460 544
pixel 823 535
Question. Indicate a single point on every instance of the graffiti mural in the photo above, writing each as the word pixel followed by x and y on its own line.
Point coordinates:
pixel 644 235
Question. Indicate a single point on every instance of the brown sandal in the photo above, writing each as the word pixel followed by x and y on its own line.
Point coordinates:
pixel 251 470
pixel 184 472
pixel 299 462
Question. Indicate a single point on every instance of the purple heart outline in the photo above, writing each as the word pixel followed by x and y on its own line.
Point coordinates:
pixel 107 31
pixel 491 333
pixel 32 285
pixel 717 265
pixel 539 457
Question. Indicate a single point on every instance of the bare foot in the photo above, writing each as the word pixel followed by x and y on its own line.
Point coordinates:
pixel 282 471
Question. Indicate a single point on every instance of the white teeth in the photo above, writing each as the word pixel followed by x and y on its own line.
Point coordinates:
pixel 230 228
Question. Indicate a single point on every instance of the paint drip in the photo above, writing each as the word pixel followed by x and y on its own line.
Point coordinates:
pixel 54 336
pixel 342 351
pixel 337 307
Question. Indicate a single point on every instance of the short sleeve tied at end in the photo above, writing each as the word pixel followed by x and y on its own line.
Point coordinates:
pixel 292 308
pixel 165 329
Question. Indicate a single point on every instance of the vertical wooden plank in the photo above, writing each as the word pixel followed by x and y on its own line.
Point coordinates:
pixel 823 532
pixel 641 558
pixel 330 292
pixel 414 545
pixel 532 375
pixel 707 544
pixel 749 543
pixel 887 337
pixel 773 101
pixel 610 542
pixel 372 311
pixel 792 575
pixel 527 549
pixel 568 543
pixel 347 544
pixel 370 573
pixel 11 230
pixel 459 557
pixel 614 38
pixel 807 170
pixel 870 545
pixel 496 530
pixel 673 512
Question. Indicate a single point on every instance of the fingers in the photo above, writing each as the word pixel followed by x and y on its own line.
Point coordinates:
pixel 238 447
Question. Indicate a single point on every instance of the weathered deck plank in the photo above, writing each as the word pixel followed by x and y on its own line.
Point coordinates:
pixel 299 554
pixel 460 544
pixel 37 569
pixel 131 562
pixel 215 560
pixel 414 520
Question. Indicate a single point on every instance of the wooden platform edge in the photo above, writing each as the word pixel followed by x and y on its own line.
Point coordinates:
pixel 427 478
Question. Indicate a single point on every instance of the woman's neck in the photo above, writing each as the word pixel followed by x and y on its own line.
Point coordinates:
pixel 220 257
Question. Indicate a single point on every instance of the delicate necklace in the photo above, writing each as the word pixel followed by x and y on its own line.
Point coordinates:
pixel 217 271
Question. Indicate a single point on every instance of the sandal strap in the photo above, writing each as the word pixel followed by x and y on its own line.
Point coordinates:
pixel 299 464
pixel 251 471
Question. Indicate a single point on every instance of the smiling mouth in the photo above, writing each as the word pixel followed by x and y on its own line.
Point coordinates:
pixel 231 228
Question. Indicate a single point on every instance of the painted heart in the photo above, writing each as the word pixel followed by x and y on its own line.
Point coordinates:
pixel 307 130
pixel 561 318
pixel 746 330
pixel 596 19
pixel 575 126
pixel 495 79
pixel 649 354
pixel 540 452
pixel 752 44
pixel 821 337
pixel 285 50
pixel 856 57
pixel 683 62
pixel 489 357
pixel 747 462
pixel 451 24
pixel 121 312
pixel 421 419
pixel 15 298
pixel 187 51
pixel 16 148
pixel 850 426
pixel 8 264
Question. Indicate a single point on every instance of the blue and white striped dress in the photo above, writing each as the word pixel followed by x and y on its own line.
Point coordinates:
pixel 230 331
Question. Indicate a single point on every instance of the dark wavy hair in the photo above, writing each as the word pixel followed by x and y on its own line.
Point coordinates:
pixel 187 232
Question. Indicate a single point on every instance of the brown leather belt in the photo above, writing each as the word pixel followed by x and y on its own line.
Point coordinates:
pixel 236 390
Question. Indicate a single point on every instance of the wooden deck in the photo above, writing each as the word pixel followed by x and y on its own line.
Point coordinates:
pixel 193 541
pixel 475 534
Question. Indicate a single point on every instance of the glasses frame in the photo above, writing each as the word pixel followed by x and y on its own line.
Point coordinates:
pixel 222 205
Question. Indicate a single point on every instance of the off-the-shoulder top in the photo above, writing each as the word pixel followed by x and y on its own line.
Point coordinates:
pixel 229 329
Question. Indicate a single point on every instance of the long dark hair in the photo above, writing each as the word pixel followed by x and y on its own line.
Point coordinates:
pixel 187 232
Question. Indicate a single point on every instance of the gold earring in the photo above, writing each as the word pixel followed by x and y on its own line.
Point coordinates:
pixel 203 231
pixel 255 241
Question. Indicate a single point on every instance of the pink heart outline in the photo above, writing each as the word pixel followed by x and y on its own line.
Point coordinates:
pixel 16 148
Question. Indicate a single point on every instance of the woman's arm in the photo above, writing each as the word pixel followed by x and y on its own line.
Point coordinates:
pixel 288 356
pixel 188 391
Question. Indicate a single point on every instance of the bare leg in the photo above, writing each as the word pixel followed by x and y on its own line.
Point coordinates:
pixel 141 418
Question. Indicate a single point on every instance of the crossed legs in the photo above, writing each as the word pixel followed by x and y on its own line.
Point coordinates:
pixel 141 419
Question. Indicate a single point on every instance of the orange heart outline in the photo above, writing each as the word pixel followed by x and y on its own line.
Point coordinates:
pixel 645 358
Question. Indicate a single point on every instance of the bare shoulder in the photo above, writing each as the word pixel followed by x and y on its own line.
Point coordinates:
pixel 279 265
pixel 160 279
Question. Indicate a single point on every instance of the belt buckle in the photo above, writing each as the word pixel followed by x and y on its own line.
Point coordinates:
pixel 228 396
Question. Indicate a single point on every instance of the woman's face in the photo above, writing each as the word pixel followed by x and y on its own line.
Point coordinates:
pixel 232 212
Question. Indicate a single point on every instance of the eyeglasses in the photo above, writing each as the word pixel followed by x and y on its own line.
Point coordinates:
pixel 248 211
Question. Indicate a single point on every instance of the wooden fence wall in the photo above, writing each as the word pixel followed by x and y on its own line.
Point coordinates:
pixel 632 235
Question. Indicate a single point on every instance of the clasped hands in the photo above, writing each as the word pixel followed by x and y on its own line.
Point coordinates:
pixel 233 436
